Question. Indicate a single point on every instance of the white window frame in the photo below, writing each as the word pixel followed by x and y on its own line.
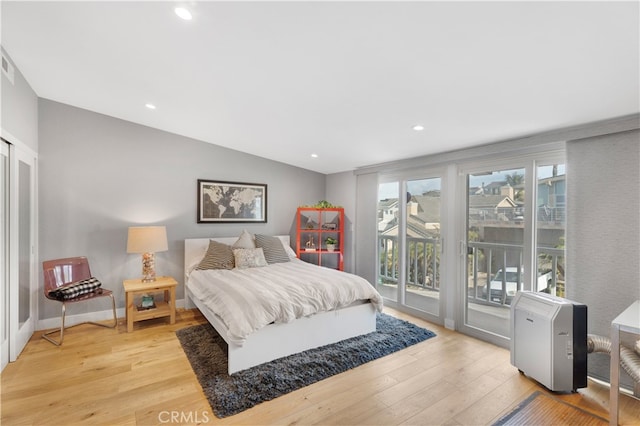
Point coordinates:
pixel 529 163
pixel 436 171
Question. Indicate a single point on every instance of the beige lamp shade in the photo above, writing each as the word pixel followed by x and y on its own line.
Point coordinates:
pixel 147 239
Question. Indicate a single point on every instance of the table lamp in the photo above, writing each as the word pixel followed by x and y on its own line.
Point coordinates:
pixel 147 240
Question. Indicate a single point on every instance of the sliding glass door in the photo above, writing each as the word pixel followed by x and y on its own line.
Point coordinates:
pixel 389 273
pixel 409 243
pixel 25 244
pixel 23 287
pixel 4 253
pixel 551 214
pixel 514 222
pixel 457 241
pixel 423 245
pixel 495 243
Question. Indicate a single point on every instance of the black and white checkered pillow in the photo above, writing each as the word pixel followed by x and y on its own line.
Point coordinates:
pixel 73 290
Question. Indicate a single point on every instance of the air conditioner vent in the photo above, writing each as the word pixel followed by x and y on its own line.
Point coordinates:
pixel 7 69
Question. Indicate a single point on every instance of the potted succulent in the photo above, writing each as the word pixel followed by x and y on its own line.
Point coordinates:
pixel 331 243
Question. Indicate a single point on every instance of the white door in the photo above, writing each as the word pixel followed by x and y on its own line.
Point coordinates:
pixel 410 242
pixel 4 257
pixel 514 239
pixel 495 241
pixel 423 242
pixel 22 236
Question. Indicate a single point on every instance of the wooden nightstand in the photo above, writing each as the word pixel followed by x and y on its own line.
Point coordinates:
pixel 163 308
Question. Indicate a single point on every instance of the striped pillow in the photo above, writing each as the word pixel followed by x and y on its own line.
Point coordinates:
pixel 273 249
pixel 218 256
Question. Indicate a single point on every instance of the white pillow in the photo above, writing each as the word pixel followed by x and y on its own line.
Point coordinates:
pixel 249 258
pixel 290 252
pixel 245 241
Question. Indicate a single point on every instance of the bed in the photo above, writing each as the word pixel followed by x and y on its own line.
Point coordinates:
pixel 248 348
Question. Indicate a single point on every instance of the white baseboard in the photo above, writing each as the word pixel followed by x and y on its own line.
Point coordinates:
pixel 449 324
pixel 70 320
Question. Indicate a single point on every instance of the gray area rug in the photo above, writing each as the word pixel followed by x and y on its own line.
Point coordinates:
pixel 229 395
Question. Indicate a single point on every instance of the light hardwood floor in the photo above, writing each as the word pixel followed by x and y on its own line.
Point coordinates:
pixel 103 376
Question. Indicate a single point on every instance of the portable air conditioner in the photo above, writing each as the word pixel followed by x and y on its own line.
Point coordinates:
pixel 549 340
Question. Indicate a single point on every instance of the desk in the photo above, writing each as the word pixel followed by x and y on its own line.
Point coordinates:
pixel 628 321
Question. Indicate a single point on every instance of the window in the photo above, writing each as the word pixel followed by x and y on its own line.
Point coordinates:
pixel 515 229
pixel 456 242
pixel 550 226
pixel 409 242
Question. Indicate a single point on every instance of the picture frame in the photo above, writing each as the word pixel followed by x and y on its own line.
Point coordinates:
pixel 231 202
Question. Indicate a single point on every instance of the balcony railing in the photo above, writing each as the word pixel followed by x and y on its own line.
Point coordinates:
pixel 484 260
pixel 423 257
pixel 546 216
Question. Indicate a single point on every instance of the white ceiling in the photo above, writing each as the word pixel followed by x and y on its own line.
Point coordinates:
pixel 345 80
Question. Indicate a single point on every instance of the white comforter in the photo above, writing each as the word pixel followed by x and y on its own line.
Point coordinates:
pixel 248 299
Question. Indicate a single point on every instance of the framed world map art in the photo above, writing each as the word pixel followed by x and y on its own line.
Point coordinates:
pixel 220 202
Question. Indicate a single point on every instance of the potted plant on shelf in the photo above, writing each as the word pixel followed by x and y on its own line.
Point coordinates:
pixel 331 243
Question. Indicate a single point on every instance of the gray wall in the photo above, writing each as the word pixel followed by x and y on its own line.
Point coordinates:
pixel 366 226
pixel 19 109
pixel 99 175
pixel 341 191
pixel 603 230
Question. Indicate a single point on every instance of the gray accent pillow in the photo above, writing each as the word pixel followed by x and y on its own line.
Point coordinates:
pixel 273 249
pixel 245 240
pixel 218 256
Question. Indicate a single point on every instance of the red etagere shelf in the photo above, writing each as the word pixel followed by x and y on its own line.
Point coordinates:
pixel 314 226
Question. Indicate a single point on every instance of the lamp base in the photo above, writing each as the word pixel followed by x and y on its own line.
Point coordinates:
pixel 148 267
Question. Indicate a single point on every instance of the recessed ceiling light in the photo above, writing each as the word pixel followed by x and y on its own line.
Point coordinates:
pixel 183 13
pixel 150 106
pixel 418 127
pixel 314 155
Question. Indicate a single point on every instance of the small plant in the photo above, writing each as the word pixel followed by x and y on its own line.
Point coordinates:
pixel 322 204
pixel 331 243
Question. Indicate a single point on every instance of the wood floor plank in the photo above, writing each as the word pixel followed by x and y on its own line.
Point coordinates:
pixel 492 404
pixel 111 377
pixel 411 405
pixel 454 403
pixel 337 402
